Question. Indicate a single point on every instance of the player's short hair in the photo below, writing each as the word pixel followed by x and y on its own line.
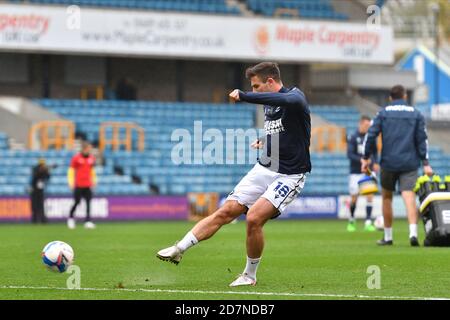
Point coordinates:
pixel 264 71
pixel 397 92
pixel 85 144
pixel 365 117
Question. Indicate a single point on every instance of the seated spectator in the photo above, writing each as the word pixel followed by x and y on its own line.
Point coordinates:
pixel 125 90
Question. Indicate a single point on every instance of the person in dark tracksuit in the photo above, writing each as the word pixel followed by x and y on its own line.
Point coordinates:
pixel 39 179
pixel 404 150
pixel 355 150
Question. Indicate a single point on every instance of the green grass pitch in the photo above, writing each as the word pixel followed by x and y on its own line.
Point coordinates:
pixel 302 260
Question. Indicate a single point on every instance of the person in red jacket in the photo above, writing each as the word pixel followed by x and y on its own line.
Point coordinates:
pixel 82 179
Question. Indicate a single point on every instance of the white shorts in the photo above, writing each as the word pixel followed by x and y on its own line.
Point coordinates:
pixel 353 187
pixel 279 189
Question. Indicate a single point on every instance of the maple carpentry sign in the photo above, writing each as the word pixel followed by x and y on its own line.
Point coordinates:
pixel 114 32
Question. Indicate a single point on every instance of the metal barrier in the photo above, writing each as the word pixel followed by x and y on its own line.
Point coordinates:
pixel 332 139
pixel 116 142
pixel 328 139
pixel 59 134
pixel 95 92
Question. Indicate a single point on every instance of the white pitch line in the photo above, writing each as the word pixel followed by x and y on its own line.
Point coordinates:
pixel 275 294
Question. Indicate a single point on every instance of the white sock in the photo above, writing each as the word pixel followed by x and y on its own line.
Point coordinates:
pixel 388 234
pixel 251 267
pixel 188 241
pixel 413 230
pixel 368 222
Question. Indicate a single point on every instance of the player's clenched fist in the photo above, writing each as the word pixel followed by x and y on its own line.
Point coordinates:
pixel 234 95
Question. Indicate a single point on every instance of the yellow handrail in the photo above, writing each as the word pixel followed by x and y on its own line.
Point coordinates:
pixel 85 92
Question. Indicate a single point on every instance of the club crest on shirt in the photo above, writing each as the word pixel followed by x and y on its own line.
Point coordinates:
pixel 270 111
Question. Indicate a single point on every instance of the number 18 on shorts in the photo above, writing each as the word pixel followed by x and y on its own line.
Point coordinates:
pixel 279 189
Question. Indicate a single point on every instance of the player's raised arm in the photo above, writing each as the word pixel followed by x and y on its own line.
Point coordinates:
pixel 293 98
pixel 268 89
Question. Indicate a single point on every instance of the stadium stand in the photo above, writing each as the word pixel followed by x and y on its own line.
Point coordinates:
pixel 154 165
pixel 317 9
pixel 343 116
pixel 159 120
pixel 329 175
pixel 203 6
pixel 310 9
pixel 3 141
pixel 15 173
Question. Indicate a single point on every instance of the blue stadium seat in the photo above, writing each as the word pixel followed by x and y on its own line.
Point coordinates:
pixel 3 141
pixel 212 6
pixel 316 9
pixel 155 165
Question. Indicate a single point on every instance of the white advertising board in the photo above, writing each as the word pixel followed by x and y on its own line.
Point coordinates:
pixel 148 33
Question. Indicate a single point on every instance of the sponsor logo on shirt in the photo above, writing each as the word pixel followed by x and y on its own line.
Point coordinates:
pixel 273 126
pixel 400 108
pixel 360 146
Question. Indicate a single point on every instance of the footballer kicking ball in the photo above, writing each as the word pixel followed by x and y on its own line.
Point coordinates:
pixel 379 223
pixel 57 256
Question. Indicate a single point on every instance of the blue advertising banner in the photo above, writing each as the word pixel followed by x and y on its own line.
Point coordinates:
pixel 308 207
